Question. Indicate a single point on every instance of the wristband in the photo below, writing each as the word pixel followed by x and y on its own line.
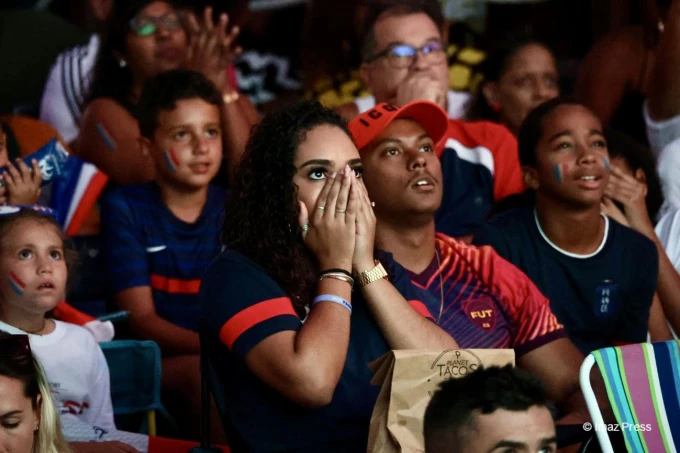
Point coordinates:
pixel 333 298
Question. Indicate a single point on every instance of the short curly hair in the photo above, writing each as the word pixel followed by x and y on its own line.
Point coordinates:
pixel 262 209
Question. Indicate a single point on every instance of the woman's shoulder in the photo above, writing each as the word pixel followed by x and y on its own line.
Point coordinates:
pixel 231 265
pixel 104 108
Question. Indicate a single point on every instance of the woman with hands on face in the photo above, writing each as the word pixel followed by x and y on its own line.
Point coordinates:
pixel 299 302
pixel 629 191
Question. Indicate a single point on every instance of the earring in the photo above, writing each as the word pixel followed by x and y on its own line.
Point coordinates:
pixel 496 108
pixel 661 26
pixel 122 63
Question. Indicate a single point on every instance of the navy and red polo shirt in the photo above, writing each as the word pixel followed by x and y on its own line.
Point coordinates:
pixel 241 306
pixel 144 244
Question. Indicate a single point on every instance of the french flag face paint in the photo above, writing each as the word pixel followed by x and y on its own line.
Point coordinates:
pixel 560 171
pixel 607 166
pixel 171 160
pixel 17 285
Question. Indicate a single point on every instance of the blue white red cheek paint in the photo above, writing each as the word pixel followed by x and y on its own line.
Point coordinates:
pixel 17 285
pixel 171 160
pixel 607 166
pixel 105 136
pixel 560 170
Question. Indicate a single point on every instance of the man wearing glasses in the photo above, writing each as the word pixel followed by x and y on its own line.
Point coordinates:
pixel 404 59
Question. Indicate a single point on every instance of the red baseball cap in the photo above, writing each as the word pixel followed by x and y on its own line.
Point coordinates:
pixel 366 127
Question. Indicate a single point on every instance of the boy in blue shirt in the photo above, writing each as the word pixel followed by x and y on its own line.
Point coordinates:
pixel 599 275
pixel 160 237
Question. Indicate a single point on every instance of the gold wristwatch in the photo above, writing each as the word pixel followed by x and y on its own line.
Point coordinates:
pixel 371 275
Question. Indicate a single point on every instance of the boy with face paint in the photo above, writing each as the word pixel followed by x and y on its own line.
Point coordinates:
pixel 600 276
pixel 161 236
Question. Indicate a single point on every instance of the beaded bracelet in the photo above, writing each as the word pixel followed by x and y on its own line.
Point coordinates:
pixel 332 298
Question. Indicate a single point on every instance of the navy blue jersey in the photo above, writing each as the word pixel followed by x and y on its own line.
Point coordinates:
pixel 241 306
pixel 602 299
pixel 144 244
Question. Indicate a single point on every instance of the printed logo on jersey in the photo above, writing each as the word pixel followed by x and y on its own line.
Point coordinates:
pixel 481 312
pixel 606 299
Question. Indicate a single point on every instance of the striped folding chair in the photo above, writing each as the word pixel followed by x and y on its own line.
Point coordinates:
pixel 643 387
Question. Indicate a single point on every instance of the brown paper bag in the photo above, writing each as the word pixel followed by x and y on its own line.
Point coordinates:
pixel 409 378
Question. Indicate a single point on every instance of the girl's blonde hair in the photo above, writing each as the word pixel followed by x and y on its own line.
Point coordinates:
pixel 18 363
pixel 49 438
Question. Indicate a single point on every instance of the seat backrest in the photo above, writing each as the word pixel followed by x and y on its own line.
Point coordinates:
pixel 135 370
pixel 643 386
pixel 209 348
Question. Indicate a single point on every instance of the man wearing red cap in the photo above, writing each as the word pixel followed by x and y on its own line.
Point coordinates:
pixel 403 60
pixel 482 300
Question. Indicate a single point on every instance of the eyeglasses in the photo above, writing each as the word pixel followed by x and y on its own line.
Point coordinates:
pixel 401 56
pixel 10 209
pixel 148 25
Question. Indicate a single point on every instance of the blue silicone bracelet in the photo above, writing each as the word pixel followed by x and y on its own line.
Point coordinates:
pixel 332 298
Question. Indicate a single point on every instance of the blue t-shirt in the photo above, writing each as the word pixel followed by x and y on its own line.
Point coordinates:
pixel 144 244
pixel 241 306
pixel 602 299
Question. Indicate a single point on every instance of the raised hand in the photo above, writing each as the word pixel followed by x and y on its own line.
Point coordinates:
pixel 365 233
pixel 22 183
pixel 211 47
pixel 420 86
pixel 330 230
pixel 631 194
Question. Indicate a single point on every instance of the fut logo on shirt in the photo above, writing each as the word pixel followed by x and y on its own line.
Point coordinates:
pixel 481 312
pixel 606 299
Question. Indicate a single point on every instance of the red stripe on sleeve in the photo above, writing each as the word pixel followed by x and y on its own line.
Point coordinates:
pixel 255 314
pixel 175 285
pixel 420 308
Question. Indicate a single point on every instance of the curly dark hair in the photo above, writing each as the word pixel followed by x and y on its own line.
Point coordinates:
pixel 262 209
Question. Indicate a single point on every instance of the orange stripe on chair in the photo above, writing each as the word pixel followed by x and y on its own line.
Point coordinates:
pixel 255 314
pixel 175 285
pixel 67 313
pixel 420 308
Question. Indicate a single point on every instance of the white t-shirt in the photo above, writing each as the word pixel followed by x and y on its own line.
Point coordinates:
pixel 78 375
pixel 67 87
pixel 456 100
pixel 661 133
pixel 668 232
pixel 668 166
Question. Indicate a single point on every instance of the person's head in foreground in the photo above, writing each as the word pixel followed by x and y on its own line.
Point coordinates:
pixel 518 76
pixel 403 52
pixel 287 162
pixel 179 117
pixel 402 171
pixel 564 156
pixel 29 422
pixel 492 410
